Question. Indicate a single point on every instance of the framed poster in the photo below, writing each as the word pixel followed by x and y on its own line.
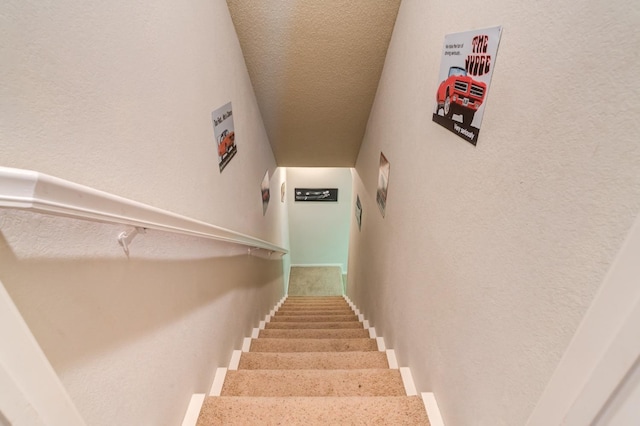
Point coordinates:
pixel 466 68
pixel 358 212
pixel 225 135
pixel 383 184
pixel 266 194
pixel 316 194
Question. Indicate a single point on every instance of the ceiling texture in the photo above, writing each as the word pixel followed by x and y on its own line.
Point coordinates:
pixel 315 67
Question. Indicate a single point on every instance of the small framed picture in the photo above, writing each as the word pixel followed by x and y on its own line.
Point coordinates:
pixel 316 194
pixel 383 184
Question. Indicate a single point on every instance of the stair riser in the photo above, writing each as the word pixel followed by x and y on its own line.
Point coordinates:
pixel 314 318
pixel 266 383
pixel 288 325
pixel 315 334
pixel 230 410
pixel 342 312
pixel 314 306
pixel 313 345
pixel 312 360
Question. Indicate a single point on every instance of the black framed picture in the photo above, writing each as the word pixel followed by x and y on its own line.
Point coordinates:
pixel 316 194
pixel 359 212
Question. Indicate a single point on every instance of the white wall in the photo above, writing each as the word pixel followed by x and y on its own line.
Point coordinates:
pixel 118 96
pixel 489 256
pixel 280 209
pixel 319 231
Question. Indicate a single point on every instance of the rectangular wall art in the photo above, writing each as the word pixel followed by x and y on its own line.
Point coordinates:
pixel 359 212
pixel 316 194
pixel 225 134
pixel 465 73
pixel 266 193
pixel 383 184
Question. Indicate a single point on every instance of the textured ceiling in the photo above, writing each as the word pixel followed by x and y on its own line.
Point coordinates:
pixel 315 67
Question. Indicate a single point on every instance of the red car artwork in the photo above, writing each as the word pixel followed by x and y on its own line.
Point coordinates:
pixel 460 94
pixel 227 142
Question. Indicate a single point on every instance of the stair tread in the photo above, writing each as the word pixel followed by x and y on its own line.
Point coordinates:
pixel 360 382
pixel 309 303
pixel 319 333
pixel 312 345
pixel 232 410
pixel 314 312
pixel 313 360
pixel 313 363
pixel 289 298
pixel 314 318
pixel 314 307
pixel 313 325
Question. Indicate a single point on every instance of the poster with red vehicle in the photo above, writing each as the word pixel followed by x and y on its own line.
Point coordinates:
pixel 466 68
pixel 225 135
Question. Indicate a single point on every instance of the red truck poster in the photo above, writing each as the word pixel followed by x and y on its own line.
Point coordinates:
pixel 224 134
pixel 467 64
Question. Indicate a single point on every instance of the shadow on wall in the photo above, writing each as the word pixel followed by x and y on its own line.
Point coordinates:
pixel 78 307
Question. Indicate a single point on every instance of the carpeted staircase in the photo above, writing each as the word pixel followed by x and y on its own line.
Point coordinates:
pixel 313 363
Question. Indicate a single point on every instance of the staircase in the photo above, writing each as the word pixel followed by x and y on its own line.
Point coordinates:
pixel 313 363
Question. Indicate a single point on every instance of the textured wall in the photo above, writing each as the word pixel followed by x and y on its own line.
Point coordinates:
pixel 118 95
pixel 489 256
pixel 319 231
pixel 315 66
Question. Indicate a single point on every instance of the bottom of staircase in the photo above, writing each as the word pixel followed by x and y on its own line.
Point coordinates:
pixel 313 364
pixel 388 410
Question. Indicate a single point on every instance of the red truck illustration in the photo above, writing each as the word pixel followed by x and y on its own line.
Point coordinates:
pixel 460 94
pixel 226 142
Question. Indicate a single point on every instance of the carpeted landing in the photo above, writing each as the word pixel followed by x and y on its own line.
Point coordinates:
pixel 313 364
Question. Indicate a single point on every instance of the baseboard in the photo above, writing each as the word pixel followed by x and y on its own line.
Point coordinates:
pixel 428 398
pixel 193 410
pixel 407 380
pixel 218 381
pixel 318 265
pixel 391 359
pixel 433 412
pixel 235 360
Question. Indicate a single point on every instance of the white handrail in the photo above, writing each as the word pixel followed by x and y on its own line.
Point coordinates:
pixel 39 192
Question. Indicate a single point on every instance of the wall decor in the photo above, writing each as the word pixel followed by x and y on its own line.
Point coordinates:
pixel 225 135
pixel 466 68
pixel 282 192
pixel 316 194
pixel 359 212
pixel 383 184
pixel 266 194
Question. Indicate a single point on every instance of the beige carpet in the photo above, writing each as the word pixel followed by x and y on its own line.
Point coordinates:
pixel 303 370
pixel 315 281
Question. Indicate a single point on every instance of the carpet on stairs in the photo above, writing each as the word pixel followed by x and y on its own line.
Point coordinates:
pixel 313 364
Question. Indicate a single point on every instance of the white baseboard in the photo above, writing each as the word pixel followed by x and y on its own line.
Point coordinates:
pixel 193 410
pixel 235 360
pixel 246 344
pixel 218 381
pixel 319 265
pixel 407 380
pixel 391 359
pixel 430 404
